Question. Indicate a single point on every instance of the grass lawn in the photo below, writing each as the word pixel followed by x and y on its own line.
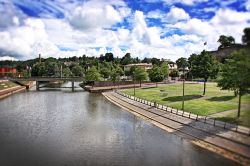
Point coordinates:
pixel 243 120
pixel 214 101
pixel 7 84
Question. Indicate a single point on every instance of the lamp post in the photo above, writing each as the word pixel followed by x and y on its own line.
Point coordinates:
pixel 183 88
pixel 134 82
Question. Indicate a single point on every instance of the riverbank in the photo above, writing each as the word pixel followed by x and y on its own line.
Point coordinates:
pixel 232 145
pixel 100 89
pixel 14 89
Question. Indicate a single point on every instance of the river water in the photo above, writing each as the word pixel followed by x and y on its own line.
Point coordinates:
pixel 60 127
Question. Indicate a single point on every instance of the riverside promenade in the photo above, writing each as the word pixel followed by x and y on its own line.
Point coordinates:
pixel 228 143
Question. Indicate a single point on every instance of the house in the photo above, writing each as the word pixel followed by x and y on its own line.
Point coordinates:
pixel 144 66
pixel 172 66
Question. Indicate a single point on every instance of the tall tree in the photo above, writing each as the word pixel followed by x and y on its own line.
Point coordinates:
pixel 109 57
pixel 77 70
pixel 164 69
pixel 156 74
pixel 182 62
pixel 174 73
pixel 116 73
pixel 236 74
pixel 204 66
pixel 67 72
pixel 226 41
pixel 92 74
pixel 246 36
pixel 126 59
pixel 38 69
pixel 52 68
pixel 140 75
pixel 155 61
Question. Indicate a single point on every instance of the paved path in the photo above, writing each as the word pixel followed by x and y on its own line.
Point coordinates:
pixel 235 144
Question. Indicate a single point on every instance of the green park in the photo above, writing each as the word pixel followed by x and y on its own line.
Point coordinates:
pixel 215 100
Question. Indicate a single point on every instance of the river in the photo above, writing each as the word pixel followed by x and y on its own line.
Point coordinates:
pixel 60 127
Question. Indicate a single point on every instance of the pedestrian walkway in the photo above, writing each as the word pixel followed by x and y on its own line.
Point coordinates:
pixel 235 144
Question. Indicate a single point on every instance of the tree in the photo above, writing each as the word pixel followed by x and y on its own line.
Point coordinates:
pixel 77 70
pixel 225 41
pixel 114 76
pixel 92 74
pixel 52 68
pixel 38 69
pixel 146 60
pixel 126 59
pixel 105 72
pixel 174 73
pixel 204 66
pixel 140 75
pixel 130 71
pixel 190 62
pixel 67 72
pixel 236 74
pixel 182 62
pixel 164 69
pixel 116 73
pixel 156 75
pixel 109 57
pixel 155 61
pixel 246 36
pixel 119 70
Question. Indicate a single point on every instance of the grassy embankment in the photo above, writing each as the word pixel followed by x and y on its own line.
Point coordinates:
pixel 9 84
pixel 6 85
pixel 214 101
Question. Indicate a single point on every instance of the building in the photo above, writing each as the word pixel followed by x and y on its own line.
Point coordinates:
pixel 144 66
pixel 172 66
pixel 7 71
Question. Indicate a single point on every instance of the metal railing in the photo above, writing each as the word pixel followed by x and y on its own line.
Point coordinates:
pixel 204 119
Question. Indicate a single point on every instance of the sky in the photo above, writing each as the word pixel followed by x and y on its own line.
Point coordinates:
pixel 167 29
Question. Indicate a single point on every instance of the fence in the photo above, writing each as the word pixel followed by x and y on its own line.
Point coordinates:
pixel 204 119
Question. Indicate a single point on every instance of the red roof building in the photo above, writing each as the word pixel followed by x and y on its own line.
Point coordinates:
pixel 7 71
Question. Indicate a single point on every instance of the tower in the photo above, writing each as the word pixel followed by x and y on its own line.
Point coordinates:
pixel 40 59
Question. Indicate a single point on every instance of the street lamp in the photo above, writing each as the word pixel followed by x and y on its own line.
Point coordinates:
pixel 183 88
pixel 134 82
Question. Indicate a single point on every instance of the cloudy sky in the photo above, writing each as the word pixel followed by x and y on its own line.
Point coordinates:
pixel 145 28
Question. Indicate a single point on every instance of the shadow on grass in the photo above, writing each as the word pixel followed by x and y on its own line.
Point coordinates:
pixel 148 87
pixel 221 98
pixel 179 98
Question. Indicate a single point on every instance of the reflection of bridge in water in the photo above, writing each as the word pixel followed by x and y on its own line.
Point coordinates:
pixel 44 79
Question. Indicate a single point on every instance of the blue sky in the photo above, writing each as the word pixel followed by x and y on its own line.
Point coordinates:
pixel 146 28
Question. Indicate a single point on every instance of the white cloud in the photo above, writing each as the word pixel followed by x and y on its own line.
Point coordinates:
pixel 228 16
pixel 92 15
pixel 247 4
pixel 186 2
pixel 176 14
pixel 86 30
pixel 157 14
pixel 3 58
pixel 225 22
pixel 195 26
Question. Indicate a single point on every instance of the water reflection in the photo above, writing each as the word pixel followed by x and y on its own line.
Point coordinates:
pixel 62 128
